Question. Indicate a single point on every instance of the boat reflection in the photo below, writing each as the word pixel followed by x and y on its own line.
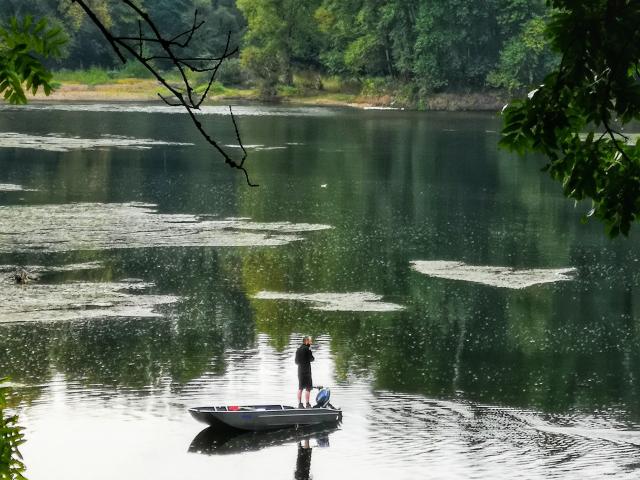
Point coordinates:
pixel 211 441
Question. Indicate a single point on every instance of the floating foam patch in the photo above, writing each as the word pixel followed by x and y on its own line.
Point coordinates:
pixel 61 143
pixel 99 226
pixel 39 269
pixel 373 107
pixel 77 301
pixel 247 147
pixel 258 148
pixel 495 276
pixel 344 302
pixel 270 148
pixel 11 187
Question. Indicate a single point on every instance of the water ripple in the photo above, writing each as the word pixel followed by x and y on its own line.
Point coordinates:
pixel 384 433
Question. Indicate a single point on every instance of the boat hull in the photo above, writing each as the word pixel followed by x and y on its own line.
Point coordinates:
pixel 265 417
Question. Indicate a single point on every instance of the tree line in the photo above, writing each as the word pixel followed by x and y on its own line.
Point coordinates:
pixel 421 46
pixel 585 95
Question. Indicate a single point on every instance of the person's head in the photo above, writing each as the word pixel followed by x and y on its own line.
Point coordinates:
pixel 307 340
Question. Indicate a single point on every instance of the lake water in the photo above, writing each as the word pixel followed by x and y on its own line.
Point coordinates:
pixel 165 282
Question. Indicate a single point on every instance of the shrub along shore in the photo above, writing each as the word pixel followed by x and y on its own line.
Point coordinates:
pixel 308 88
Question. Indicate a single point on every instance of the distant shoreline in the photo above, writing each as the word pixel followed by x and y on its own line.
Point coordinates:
pixel 144 90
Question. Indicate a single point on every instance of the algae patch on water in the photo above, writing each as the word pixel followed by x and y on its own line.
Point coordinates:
pixel 30 273
pixel 503 277
pixel 99 226
pixel 80 300
pixel 77 301
pixel 344 302
pixel 38 269
pixel 62 143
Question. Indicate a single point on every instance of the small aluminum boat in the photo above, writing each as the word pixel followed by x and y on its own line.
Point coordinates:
pixel 269 417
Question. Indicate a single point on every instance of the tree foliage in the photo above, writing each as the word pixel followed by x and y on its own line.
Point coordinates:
pixel 523 57
pixel 577 117
pixel 23 46
pixel 432 44
pixel 427 45
pixel 368 37
pixel 280 34
pixel 86 47
pixel 11 437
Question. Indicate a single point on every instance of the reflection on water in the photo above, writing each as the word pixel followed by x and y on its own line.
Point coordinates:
pixel 212 442
pixel 385 434
pixel 303 462
pixel 465 381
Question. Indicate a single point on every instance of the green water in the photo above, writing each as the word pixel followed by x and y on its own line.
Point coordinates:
pixel 466 381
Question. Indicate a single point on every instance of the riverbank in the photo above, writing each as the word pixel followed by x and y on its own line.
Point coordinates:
pixel 146 90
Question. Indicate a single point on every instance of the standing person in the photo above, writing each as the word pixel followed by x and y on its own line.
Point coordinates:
pixel 304 357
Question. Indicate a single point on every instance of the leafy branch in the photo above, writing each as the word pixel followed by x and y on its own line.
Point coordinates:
pixel 11 437
pixel 594 91
pixel 22 46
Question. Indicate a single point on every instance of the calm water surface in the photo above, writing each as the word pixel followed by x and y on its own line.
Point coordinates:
pixel 467 381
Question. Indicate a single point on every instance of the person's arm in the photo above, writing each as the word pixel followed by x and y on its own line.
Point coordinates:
pixel 311 359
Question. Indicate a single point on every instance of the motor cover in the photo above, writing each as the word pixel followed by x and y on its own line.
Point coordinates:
pixel 322 399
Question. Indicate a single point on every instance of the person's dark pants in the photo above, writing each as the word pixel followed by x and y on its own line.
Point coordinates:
pixel 305 382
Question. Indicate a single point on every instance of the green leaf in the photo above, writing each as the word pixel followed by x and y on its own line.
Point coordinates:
pixel 26 43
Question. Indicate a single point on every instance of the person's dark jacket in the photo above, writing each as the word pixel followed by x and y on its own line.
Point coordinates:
pixel 304 357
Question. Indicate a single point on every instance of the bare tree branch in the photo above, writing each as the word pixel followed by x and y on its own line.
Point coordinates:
pixel 244 152
pixel 167 49
pixel 189 32
pixel 212 78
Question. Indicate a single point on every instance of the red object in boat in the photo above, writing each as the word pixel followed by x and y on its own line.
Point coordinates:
pixel 233 408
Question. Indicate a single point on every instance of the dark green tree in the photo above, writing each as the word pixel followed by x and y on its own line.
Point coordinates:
pixel 368 37
pixel 457 43
pixel 525 59
pixel 280 35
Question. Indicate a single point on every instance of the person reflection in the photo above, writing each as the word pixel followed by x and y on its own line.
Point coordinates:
pixel 303 464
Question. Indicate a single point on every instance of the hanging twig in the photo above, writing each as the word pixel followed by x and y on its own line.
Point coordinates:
pixel 167 49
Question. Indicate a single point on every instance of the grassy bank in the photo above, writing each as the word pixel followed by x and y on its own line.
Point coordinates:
pixel 131 84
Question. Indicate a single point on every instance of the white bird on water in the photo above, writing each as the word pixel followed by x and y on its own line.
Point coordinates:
pixel 324 185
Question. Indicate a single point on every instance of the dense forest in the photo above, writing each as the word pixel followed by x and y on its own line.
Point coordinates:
pixel 415 47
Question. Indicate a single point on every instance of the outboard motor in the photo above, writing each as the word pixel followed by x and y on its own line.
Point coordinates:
pixel 322 399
